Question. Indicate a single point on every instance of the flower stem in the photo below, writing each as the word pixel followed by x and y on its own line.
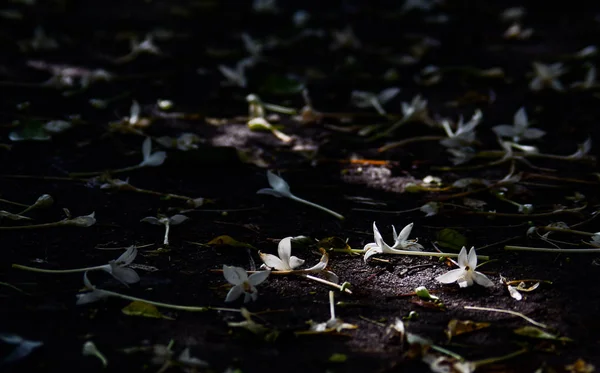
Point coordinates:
pixel 96 173
pixel 565 230
pixel 168 305
pixel 514 313
pixel 493 360
pixel 167 228
pixel 13 203
pixel 298 199
pixel 550 250
pixel 325 282
pixel 57 271
pixel 34 226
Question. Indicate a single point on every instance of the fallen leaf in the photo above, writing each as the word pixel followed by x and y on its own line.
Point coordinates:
pixel 457 327
pixel 451 239
pixel 535 332
pixel 229 241
pixel 580 366
pixel 143 309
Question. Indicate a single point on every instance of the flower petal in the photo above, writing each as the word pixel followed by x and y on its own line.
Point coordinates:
pixel 177 219
pixel 274 262
pixel 472 259
pixel 463 261
pixel 372 251
pixel 504 130
pixel 235 275
pixel 321 265
pixel 404 233
pixel 126 275
pixel 258 277
pixel 234 293
pixel 270 192
pixel 156 159
pixel 369 245
pixel 151 220
pixel 482 279
pixel 520 119
pixel 277 183
pixel 378 239
pixel 284 249
pixel 295 262
pixel 533 133
pixel 127 257
pixel 451 276
pixel 146 148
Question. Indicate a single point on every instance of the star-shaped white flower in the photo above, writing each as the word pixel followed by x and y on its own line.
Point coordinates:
pixel 466 275
pixel 118 267
pixel 364 99
pixel 520 128
pixel 243 284
pixel 285 262
pixel 547 76
pixel 400 243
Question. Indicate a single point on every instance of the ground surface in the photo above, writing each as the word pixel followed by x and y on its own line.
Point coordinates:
pixel 327 162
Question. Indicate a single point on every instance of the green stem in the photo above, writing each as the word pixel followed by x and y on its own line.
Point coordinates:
pixel 97 173
pixel 550 250
pixel 34 226
pixel 298 199
pixel 167 305
pixel 325 282
pixel 411 140
pixel 514 313
pixel 57 271
pixel 13 203
pixel 492 360
pixel 565 230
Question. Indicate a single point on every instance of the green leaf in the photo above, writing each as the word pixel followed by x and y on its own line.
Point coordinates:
pixel 537 333
pixel 31 130
pixel 338 358
pixel 451 239
pixel 143 309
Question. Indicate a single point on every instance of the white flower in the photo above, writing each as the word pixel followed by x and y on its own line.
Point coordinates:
pixel 400 243
pixel 286 262
pixel 118 268
pixel 151 159
pixel 546 76
pixel 464 134
pixel 91 296
pixel 280 188
pixel 466 274
pixel 167 222
pixel 23 348
pixel 81 221
pixel 364 99
pixel 242 283
pixel 589 81
pixel 520 128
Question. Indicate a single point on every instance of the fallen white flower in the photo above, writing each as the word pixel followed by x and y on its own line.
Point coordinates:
pixel 401 244
pixel 466 274
pixel 243 284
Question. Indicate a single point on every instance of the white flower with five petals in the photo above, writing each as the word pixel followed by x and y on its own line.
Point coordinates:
pixel 466 275
pixel 287 262
pixel 243 284
pixel 400 243
pixel 151 159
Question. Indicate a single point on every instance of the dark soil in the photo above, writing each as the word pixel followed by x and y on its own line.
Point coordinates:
pixel 206 35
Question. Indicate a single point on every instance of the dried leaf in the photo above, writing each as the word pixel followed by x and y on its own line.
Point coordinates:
pixel 457 327
pixel 537 333
pixel 451 239
pixel 229 241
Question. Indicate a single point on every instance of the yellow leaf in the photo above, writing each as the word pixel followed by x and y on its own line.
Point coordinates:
pixel 229 241
pixel 144 309
pixel 458 327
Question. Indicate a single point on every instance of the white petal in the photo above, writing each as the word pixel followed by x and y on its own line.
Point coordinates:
pixel 472 259
pixel 504 130
pixel 177 219
pixel 235 275
pixel 295 262
pixel 270 192
pixel 450 276
pixel 533 133
pixel 514 293
pixel 378 239
pixel 536 84
pixel 369 246
pixel 234 293
pixel 90 297
pixel 465 281
pixel 126 275
pixel 274 262
pixel 371 252
pixel 463 261
pixel 156 159
pixel 405 233
pixel 482 279
pixel 520 119
pixel 284 249
pixel 277 183
pixel 388 94
pixel 258 277
pixel 127 257
pixel 146 148
pixel 394 234
pixel 321 265
pixel 151 220
pixel 557 85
